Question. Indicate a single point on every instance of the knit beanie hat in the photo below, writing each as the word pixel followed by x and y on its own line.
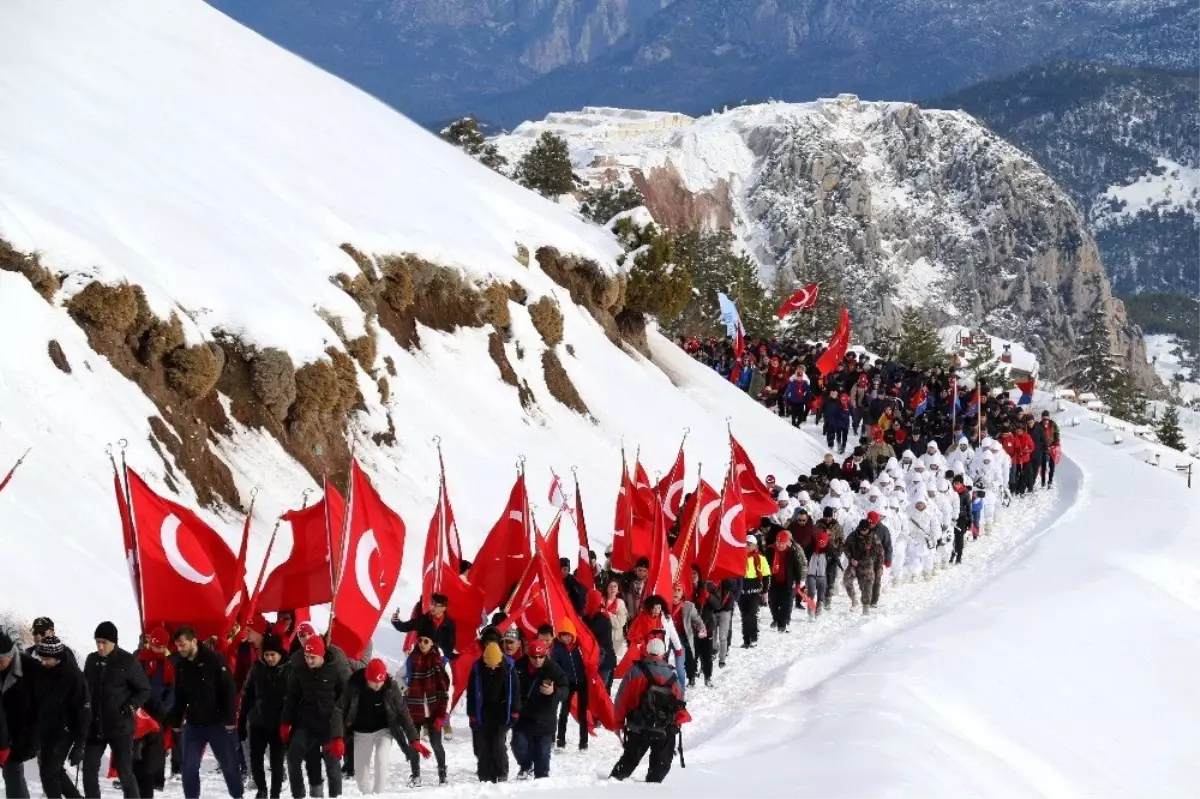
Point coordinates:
pixel 315 645
pixel 492 655
pixel 7 648
pixel 106 631
pixel 273 643
pixel 50 647
pixel 160 637
pixel 377 671
pixel 656 647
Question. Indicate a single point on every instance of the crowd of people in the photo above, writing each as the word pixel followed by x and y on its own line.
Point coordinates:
pixel 925 473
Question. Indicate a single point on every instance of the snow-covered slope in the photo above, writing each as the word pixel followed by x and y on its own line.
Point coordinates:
pixel 156 141
pixel 903 205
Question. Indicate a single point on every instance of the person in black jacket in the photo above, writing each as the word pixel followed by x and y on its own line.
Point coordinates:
pixel 576 591
pixel 64 715
pixel 149 745
pixel 602 631
pixel 543 688
pixel 312 718
pixel 262 704
pixel 374 710
pixel 962 523
pixel 493 706
pixel 443 626
pixel 206 710
pixel 19 678
pixel 117 687
pixel 788 570
pixel 566 655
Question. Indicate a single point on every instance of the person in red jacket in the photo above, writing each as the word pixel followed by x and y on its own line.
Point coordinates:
pixel 1009 442
pixel 1022 461
pixel 649 712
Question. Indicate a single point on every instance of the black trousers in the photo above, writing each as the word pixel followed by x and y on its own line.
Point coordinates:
pixel 960 537
pixel 265 743
pixel 564 713
pixel 749 604
pixel 780 599
pixel 1047 465
pixel 661 747
pixel 15 786
pixel 435 744
pixel 305 755
pixel 149 760
pixel 704 655
pixel 491 753
pixel 832 566
pixel 56 781
pixel 121 760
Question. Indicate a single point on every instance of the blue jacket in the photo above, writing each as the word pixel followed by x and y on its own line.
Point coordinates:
pixel 744 377
pixel 836 416
pixel 796 391
pixel 502 690
pixel 570 660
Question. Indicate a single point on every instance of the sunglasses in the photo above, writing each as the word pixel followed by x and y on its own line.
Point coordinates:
pixel 537 657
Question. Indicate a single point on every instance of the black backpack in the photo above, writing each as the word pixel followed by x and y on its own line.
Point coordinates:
pixel 658 706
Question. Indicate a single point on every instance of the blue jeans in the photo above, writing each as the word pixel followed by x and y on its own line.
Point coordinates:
pixel 224 746
pixel 681 671
pixel 533 752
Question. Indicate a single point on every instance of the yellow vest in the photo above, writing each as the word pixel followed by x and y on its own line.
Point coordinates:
pixel 764 569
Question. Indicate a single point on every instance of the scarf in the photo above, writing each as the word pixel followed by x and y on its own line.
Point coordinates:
pixel 779 562
pixel 428 695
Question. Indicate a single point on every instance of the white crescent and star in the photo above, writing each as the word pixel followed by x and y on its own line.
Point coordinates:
pixel 367 545
pixel 170 544
pixel 727 527
pixel 669 501
pixel 706 515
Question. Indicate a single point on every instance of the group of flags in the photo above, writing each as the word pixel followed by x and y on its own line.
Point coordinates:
pixel 802 299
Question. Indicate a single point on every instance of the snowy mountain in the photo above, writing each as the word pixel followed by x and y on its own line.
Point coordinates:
pixel 243 266
pixel 901 205
pixel 1123 143
pixel 509 60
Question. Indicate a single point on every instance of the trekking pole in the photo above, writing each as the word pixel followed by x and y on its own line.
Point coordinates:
pixel 682 762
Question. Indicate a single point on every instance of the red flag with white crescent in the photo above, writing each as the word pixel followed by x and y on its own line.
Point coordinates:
pixel 441 570
pixel 697 519
pixel 803 298
pixel 724 552
pixel 643 495
pixel 583 572
pixel 839 343
pixel 306 577
pixel 661 577
pixel 373 553
pixel 755 497
pixel 669 490
pixel 188 573
pixel 505 552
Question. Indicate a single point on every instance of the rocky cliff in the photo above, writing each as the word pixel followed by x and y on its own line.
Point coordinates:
pixel 901 205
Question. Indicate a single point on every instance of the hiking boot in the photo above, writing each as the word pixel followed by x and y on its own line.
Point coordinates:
pixel 525 774
pixel 561 743
pixel 414 781
pixel 866 609
pixel 691 682
pixel 583 745
pixel 317 791
pixel 720 664
pixel 442 779
pixel 708 680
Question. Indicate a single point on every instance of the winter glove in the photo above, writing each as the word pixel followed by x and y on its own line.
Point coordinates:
pixel 887 563
pixel 439 722
pixel 75 757
pixel 682 716
pixel 285 732
pixel 4 756
pixel 421 749
pixel 337 748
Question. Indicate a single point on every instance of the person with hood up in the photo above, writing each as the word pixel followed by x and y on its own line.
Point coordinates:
pixel 262 704
pixel 933 455
pixel 375 711
pixel 117 687
pixel 833 500
pixel 805 500
pixel 899 570
pixel 923 529
pixel 312 724
pixel 987 477
pixel 880 530
pixel 960 457
pixel 64 715
pixel 427 692
pixel 866 558
pixel 649 712
pixel 789 570
pixel 567 656
pixel 941 552
pixel 690 627
pixel 818 570
pixel 543 689
pixel 493 707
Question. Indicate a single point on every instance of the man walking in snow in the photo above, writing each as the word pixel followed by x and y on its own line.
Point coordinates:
pixel 64 714
pixel 18 714
pixel 117 687
pixel 866 559
pixel 312 718
pixel 758 571
pixel 204 714
pixel 649 712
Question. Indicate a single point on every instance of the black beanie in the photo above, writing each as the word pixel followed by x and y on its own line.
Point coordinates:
pixel 7 647
pixel 107 631
pixel 272 643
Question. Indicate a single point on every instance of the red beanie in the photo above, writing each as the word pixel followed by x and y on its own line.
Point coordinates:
pixel 159 637
pixel 593 602
pixel 315 645
pixel 377 671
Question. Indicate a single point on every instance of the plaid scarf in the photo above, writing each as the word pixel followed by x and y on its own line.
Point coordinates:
pixel 428 696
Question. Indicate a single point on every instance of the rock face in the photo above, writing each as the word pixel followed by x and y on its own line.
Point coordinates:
pixel 904 206
pixel 508 60
pixel 1123 143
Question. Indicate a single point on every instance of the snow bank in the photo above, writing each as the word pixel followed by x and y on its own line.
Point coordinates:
pixel 1166 188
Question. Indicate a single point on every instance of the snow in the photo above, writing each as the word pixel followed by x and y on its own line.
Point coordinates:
pixel 1168 187
pixel 181 152
pixel 1158 352
pixel 1022 359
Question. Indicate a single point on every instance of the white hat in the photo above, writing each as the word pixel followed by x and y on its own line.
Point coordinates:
pixel 657 647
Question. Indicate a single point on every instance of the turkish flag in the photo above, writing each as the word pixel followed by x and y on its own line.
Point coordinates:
pixel 131 556
pixel 370 566
pixel 622 556
pixel 306 577
pixel 803 298
pixel 839 343
pixel 669 490
pixel 755 497
pixel 643 495
pixel 660 579
pixel 189 574
pixel 552 537
pixel 583 572
pixel 505 552
pixel 725 548
pixel 698 515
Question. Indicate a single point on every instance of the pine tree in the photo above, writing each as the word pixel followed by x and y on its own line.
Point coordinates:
pixel 920 347
pixel 465 134
pixel 546 168
pixel 601 204
pixel 749 295
pixel 1095 370
pixel 659 285
pixel 1169 434
pixel 981 360
pixel 1125 400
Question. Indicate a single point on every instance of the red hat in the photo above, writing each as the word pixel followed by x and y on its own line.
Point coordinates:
pixel 377 670
pixel 873 517
pixel 315 645
pixel 159 637
pixel 306 628
pixel 537 649
pixel 822 540
pixel 770 479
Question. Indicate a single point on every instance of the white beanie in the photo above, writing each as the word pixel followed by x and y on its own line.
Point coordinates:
pixel 657 647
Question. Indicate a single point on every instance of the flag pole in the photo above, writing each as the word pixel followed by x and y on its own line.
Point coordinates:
pixel 712 560
pixel 13 470
pixel 687 538
pixel 123 443
pixel 341 565
pixel 262 570
pixel 439 549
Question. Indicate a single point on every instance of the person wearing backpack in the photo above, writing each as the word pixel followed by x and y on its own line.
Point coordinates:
pixel 649 711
